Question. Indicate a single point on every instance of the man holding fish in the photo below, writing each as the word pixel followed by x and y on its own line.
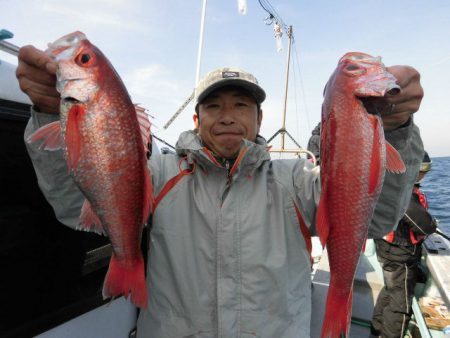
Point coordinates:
pixel 231 234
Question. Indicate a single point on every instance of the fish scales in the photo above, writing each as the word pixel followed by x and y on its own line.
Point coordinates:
pixel 106 154
pixel 353 162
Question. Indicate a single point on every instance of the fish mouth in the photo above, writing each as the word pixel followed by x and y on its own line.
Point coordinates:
pixel 70 100
pixel 394 91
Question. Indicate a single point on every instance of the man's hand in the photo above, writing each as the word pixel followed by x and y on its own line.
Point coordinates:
pixel 36 74
pixel 396 109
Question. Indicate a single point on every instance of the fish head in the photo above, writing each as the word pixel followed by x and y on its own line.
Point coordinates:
pixel 367 75
pixel 78 67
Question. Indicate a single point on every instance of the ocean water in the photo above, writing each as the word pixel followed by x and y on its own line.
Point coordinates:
pixel 436 186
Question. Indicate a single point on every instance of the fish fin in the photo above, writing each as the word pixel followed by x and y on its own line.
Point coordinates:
pixel 394 162
pixel 149 199
pixel 375 165
pixel 363 249
pixel 89 220
pixel 338 314
pixel 123 279
pixel 145 126
pixel 50 134
pixel 73 140
pixel 322 222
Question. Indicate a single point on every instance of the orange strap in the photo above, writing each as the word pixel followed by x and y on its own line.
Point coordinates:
pixel 172 182
pixel 422 197
pixel 389 237
pixel 305 232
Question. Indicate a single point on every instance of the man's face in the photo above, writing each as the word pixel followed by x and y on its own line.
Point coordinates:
pixel 226 116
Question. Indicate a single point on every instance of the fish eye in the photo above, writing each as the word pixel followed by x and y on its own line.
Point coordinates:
pixel 85 58
pixel 351 68
pixel 354 70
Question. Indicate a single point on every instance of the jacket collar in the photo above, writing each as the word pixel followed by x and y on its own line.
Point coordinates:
pixel 190 145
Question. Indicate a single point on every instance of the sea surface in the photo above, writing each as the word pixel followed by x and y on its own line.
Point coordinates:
pixel 436 186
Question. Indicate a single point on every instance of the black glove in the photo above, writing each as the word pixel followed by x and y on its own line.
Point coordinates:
pixel 418 218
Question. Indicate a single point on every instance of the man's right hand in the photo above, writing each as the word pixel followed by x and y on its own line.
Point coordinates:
pixel 36 74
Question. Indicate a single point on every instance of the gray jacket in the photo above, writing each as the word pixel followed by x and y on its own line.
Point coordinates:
pixel 228 250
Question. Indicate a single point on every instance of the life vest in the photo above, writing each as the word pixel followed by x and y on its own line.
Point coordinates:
pixel 415 239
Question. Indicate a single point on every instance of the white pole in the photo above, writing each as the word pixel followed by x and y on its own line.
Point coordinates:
pixel 286 87
pixel 197 75
pixel 200 43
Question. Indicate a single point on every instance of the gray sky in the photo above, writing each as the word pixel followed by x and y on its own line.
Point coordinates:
pixel 153 46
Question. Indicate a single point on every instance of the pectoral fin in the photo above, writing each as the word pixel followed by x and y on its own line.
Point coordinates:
pixel 50 134
pixel 73 138
pixel 394 162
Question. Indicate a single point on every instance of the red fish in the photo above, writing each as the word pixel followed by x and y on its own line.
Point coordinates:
pixel 354 156
pixel 105 141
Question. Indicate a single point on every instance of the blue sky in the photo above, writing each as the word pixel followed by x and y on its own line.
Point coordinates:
pixel 153 45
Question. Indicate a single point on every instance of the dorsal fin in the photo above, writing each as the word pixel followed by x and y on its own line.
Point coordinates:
pixel 145 126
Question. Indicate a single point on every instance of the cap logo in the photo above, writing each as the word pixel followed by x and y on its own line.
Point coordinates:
pixel 229 74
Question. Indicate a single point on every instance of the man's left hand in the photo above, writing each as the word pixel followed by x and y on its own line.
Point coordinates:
pixel 396 109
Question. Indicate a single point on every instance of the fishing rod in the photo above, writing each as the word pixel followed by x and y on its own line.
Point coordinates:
pixel 7 46
pixel 439 232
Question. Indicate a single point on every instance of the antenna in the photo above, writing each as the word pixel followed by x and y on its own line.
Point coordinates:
pixel 282 131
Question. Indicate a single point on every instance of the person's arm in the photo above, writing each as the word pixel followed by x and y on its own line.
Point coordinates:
pixel 397 188
pixel 52 174
pixel 36 76
pixel 404 135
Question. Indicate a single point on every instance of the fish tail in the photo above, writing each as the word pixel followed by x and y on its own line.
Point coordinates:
pixel 338 314
pixel 123 280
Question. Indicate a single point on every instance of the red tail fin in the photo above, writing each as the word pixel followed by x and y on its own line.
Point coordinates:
pixel 123 280
pixel 338 314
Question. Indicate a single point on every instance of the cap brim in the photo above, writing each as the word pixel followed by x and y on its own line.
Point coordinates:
pixel 258 93
pixel 425 166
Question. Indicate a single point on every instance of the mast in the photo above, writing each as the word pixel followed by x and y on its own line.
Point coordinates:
pixel 289 32
pixel 282 131
pixel 200 42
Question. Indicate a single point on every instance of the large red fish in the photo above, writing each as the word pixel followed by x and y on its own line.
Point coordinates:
pixel 354 157
pixel 105 140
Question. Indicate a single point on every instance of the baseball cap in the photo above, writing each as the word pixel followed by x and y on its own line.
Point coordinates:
pixel 426 163
pixel 228 76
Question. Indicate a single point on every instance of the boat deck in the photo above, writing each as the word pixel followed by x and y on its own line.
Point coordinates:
pixel 369 282
pixel 367 285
